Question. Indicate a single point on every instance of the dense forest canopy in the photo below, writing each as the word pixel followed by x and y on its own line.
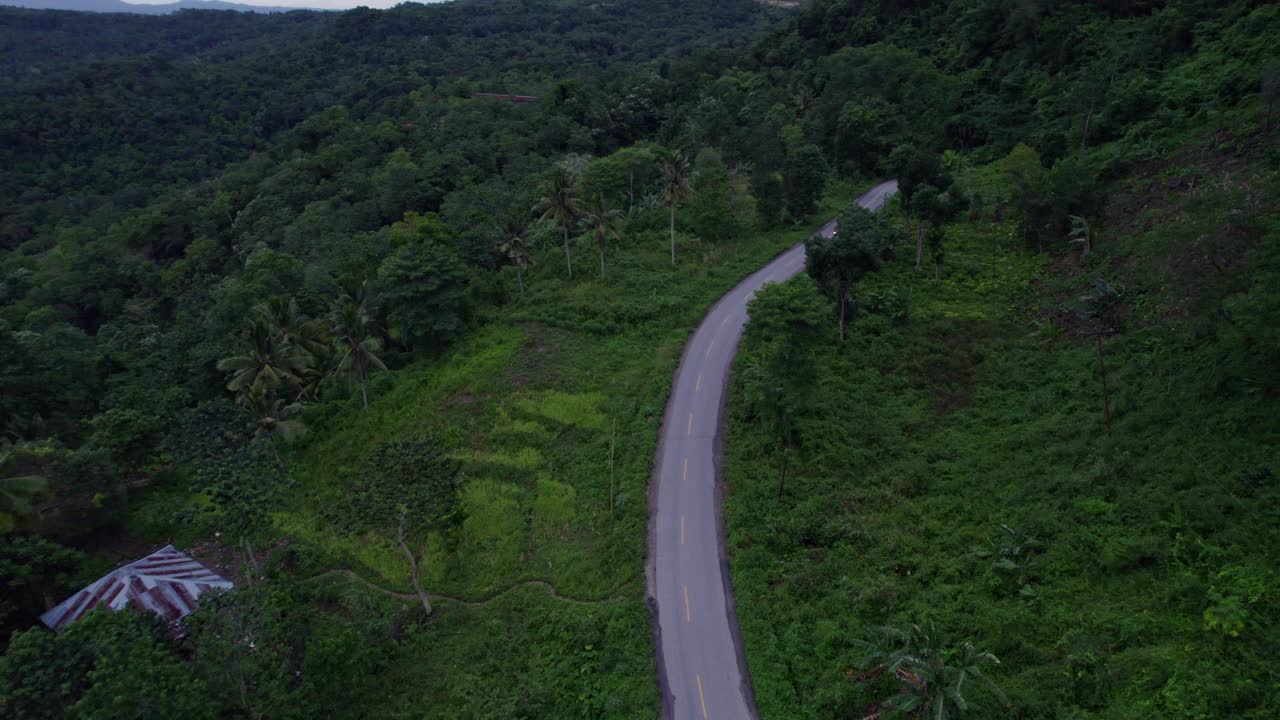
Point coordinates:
pixel 239 252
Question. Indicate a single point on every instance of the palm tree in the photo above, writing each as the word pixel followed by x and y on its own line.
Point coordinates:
pixel 559 204
pixel 267 364
pixel 353 329
pixel 675 189
pixel 513 242
pixel 293 326
pixel 18 494
pixel 276 418
pixel 305 335
pixel 601 221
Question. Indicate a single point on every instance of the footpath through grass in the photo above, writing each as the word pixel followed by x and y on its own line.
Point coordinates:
pixel 1137 576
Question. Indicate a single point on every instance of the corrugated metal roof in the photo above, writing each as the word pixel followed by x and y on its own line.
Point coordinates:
pixel 165 582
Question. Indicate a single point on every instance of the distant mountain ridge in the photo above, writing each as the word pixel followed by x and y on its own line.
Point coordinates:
pixel 118 6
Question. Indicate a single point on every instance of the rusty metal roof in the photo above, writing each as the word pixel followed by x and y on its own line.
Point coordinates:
pixel 165 582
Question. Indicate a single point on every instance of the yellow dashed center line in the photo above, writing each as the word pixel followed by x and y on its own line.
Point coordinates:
pixel 687 617
pixel 701 700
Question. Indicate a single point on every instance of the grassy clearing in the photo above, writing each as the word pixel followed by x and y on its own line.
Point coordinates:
pixel 1151 588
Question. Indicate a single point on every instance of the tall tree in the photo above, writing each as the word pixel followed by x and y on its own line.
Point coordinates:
pixel 766 187
pixel 927 204
pixel 354 331
pixel 676 188
pixel 513 243
pixel 1094 88
pixel 937 235
pixel 786 322
pixel 602 222
pixel 718 212
pixel 804 178
pixel 843 258
pixel 559 204
pixel 1030 184
pixel 423 288
pixel 919 172
pixel 622 176
pixel 861 129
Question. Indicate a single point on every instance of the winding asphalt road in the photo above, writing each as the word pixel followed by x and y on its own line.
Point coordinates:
pixel 701 667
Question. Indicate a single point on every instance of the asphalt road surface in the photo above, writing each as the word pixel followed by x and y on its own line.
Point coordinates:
pixel 701 667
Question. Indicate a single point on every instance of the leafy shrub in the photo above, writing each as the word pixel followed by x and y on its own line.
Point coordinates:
pixel 413 477
pixel 233 472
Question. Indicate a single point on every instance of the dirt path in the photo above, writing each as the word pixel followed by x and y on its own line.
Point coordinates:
pixel 616 597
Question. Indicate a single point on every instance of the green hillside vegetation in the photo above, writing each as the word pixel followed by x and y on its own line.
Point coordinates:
pixel 281 290
pixel 962 475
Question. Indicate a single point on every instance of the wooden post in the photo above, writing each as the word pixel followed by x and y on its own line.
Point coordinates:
pixel 844 301
pixel 782 478
pixel 995 239
pixel 919 243
pixel 612 442
pixel 1106 399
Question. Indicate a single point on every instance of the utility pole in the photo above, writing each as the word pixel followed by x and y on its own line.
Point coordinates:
pixel 612 442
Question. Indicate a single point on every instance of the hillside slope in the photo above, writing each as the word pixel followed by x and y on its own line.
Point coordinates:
pixel 1064 458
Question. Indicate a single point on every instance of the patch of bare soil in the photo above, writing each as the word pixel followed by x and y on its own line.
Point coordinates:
pixel 1202 211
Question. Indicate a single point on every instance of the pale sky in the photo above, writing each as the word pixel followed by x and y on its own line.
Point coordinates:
pixel 322 4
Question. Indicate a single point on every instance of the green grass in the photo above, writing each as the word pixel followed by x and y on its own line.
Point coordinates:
pixel 1154 591
pixel 527 403
pixel 523 655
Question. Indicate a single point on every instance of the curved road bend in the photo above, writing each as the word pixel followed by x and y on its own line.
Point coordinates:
pixel 701 667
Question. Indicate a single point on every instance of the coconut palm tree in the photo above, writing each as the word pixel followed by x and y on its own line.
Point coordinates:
pixel 676 188
pixel 275 418
pixel 307 336
pixel 513 242
pixel 602 222
pixel 293 326
pixel 353 330
pixel 267 365
pixel 18 495
pixel 559 204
